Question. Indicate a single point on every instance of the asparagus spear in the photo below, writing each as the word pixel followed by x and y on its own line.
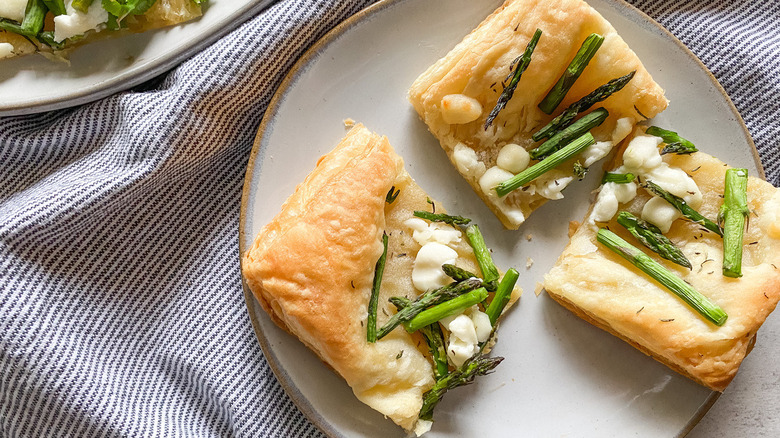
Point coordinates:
pixel 374 301
pixel 433 337
pixel 57 7
pixel 588 49
pixel 651 237
pixel 478 365
pixel 567 116
pixel 683 207
pixel 545 165
pixel 33 18
pixel 445 309
pixel 502 296
pixel 657 272
pixel 456 273
pixel 441 217
pixel 482 254
pixel 521 63
pixel 566 135
pixel 733 213
pixel 618 178
pixel 430 298
pixel 674 143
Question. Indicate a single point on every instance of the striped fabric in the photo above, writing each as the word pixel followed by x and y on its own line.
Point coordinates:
pixel 121 311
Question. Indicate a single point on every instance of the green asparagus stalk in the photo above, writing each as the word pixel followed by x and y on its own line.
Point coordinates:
pixel 566 135
pixel 374 301
pixel 433 337
pixel 502 296
pixel 33 18
pixel 618 178
pixel 521 63
pixel 545 165
pixel 588 49
pixel 651 237
pixel 459 274
pixel 683 207
pixel 567 116
pixel 445 309
pixel 57 7
pixel 674 143
pixel 441 217
pixel 478 365
pixel 482 254
pixel 657 272
pixel 428 299
pixel 733 214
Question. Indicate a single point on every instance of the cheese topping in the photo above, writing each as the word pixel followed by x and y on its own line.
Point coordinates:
pixel 76 22
pixel 423 232
pixel 513 158
pixel 426 271
pixel 6 50
pixel 459 108
pixel 467 162
pixel 642 158
pixel 551 184
pixel 13 9
pixel 610 196
pixel 422 426
pixel 493 177
pixel 595 152
pixel 466 330
pixel 660 213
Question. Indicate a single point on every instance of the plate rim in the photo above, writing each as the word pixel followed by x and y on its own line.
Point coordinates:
pixel 138 74
pixel 300 65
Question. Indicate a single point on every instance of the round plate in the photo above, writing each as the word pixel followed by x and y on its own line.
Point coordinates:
pixel 32 84
pixel 561 376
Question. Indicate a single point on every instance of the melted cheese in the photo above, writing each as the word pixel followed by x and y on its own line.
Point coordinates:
pixel 76 23
pixel 513 158
pixel 6 50
pixel 467 162
pixel 426 272
pixel 13 9
pixel 459 109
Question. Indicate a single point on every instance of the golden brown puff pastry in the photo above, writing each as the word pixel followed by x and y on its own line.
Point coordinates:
pixel 476 67
pixel 312 267
pixel 607 291
pixel 161 14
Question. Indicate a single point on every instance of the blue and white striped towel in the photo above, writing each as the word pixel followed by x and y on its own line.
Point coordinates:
pixel 121 311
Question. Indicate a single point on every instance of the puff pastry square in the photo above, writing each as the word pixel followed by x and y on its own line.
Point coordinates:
pixel 604 289
pixel 312 268
pixel 477 66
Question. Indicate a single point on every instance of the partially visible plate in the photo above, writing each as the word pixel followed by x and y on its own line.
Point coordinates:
pixel 562 377
pixel 31 84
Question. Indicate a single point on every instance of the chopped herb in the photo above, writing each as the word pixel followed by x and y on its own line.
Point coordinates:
pixel 579 170
pixel 640 113
pixel 391 196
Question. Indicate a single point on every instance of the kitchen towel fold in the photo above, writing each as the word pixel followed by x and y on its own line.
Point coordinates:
pixel 121 309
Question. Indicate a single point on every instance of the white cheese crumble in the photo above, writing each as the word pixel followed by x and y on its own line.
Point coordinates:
pixel 610 196
pixel 76 22
pixel 426 271
pixel 13 9
pixel 424 232
pixel 422 426
pixel 493 177
pixel 551 184
pixel 459 108
pixel 467 162
pixel 623 127
pixel 595 152
pixel 466 331
pixel 513 158
pixel 660 213
pixel 642 158
pixel 6 50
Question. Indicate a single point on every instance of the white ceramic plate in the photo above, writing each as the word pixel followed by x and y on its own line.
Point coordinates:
pixel 562 377
pixel 31 84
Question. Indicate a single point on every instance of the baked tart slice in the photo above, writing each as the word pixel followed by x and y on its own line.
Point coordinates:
pixel 679 257
pixel 353 267
pixel 533 77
